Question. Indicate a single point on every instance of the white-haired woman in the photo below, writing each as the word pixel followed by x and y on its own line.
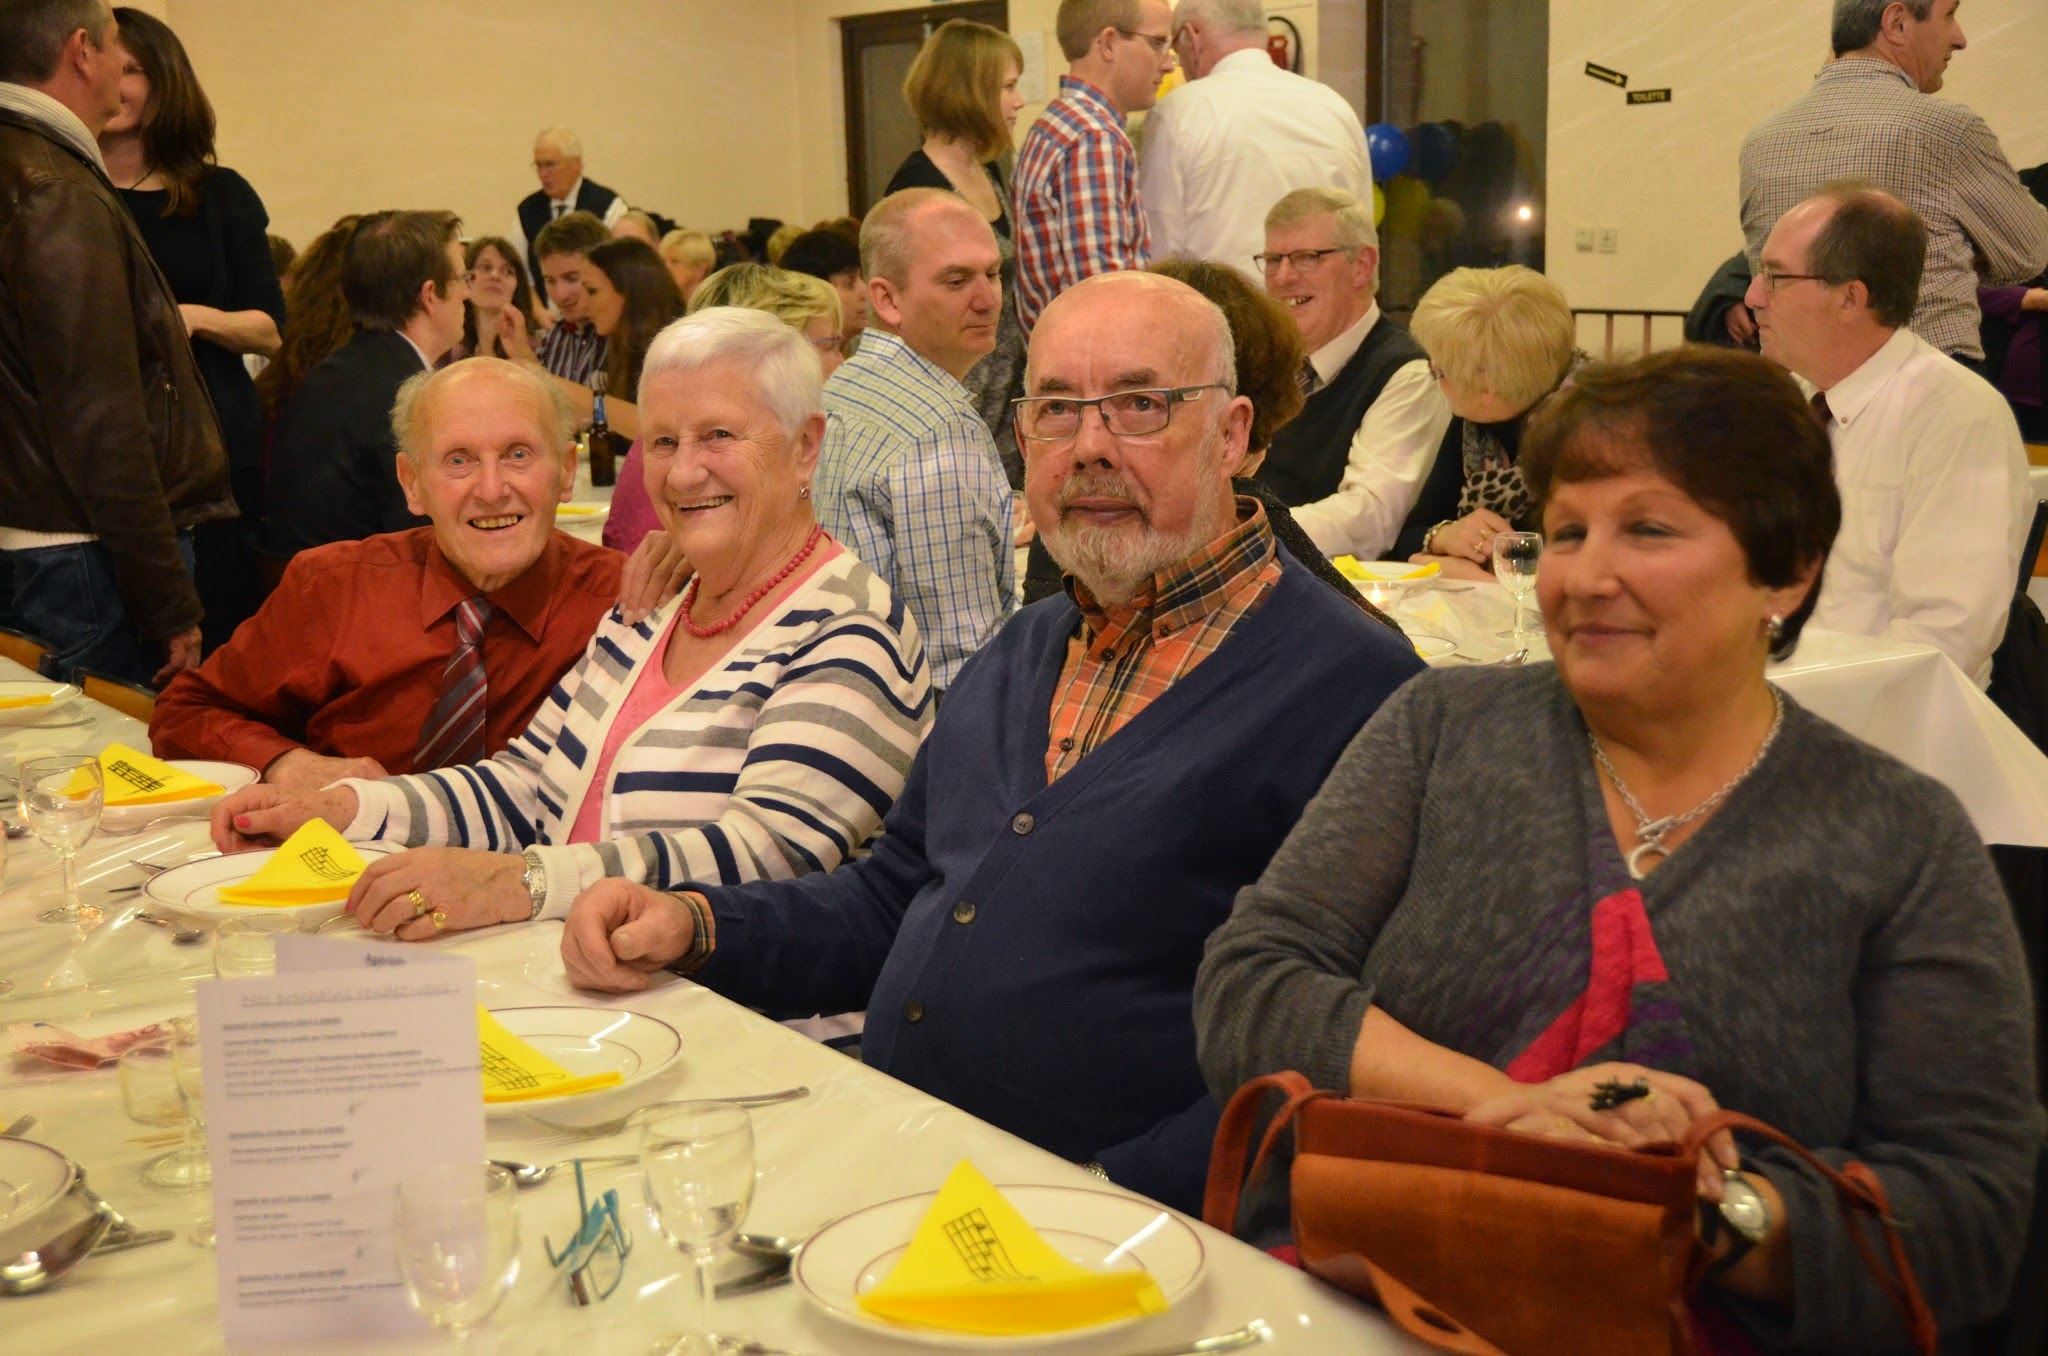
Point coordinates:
pixel 1499 340
pixel 758 726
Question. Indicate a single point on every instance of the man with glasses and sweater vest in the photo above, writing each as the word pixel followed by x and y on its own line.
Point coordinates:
pixel 1354 463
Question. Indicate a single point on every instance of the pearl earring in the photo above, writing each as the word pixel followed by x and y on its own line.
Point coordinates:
pixel 1774 628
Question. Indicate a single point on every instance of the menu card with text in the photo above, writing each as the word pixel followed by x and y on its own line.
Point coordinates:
pixel 326 1084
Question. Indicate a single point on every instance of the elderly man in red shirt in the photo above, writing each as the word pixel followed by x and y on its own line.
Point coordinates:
pixel 424 648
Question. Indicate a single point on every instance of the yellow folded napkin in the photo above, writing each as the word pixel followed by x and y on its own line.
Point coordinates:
pixel 576 510
pixel 10 703
pixel 315 866
pixel 516 1072
pixel 976 1266
pixel 1382 571
pixel 135 778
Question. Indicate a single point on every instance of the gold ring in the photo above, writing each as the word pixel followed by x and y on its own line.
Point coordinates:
pixel 419 903
pixel 439 920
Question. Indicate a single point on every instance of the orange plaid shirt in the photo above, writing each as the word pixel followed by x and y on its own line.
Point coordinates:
pixel 1120 662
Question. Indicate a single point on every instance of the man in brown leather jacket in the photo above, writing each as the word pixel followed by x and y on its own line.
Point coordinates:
pixel 109 451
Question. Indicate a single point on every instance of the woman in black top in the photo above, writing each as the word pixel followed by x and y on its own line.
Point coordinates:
pixel 962 88
pixel 206 229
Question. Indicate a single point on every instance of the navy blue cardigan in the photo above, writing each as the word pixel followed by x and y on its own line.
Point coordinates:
pixel 1028 952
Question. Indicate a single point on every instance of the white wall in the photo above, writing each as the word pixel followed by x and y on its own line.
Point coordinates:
pixel 689 107
pixel 1665 175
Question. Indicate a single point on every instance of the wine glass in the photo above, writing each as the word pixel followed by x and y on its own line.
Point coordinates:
pixel 455 1230
pixel 1514 563
pixel 248 946
pixel 699 1161
pixel 61 798
pixel 189 1065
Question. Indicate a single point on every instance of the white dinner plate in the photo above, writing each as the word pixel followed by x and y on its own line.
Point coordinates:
pixel 31 1177
pixel 60 695
pixel 1430 647
pixel 194 888
pixel 229 776
pixel 589 1041
pixel 1099 1229
pixel 568 515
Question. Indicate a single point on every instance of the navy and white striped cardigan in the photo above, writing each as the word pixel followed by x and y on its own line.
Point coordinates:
pixel 781 760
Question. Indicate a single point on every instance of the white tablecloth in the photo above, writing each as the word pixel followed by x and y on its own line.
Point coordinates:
pixel 860 1138
pixel 1909 700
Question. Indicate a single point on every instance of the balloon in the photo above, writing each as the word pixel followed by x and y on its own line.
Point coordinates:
pixel 1379 204
pixel 1407 204
pixel 1436 151
pixel 1388 147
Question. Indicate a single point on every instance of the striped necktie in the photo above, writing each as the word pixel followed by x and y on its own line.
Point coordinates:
pixel 454 732
pixel 1308 377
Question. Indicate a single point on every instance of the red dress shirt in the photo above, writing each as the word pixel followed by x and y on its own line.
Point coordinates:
pixel 345 658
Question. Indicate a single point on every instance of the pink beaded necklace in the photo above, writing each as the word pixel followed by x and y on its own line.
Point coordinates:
pixel 690 594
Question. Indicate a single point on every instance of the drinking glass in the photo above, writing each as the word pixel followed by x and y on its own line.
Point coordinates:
pixel 149 1086
pixel 61 799
pixel 248 946
pixel 1514 563
pixel 699 1161
pixel 455 1230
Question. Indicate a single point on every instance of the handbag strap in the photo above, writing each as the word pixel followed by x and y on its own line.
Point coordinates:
pixel 1859 1192
pixel 1227 1174
pixel 1413 1313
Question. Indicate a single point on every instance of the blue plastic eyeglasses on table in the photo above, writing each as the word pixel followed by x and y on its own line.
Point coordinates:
pixel 595 1258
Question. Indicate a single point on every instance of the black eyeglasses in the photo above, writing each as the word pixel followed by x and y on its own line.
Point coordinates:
pixel 595 1258
pixel 1127 414
pixel 1159 44
pixel 1303 260
pixel 1772 278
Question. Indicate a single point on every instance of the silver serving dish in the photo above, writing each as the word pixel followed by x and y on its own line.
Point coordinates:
pixel 49 1218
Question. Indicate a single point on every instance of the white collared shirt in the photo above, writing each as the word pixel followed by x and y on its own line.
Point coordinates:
pixel 1935 505
pixel 1391 454
pixel 1218 152
pixel 568 205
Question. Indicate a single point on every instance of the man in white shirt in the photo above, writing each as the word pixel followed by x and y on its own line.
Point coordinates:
pixel 1222 148
pixel 1353 462
pixel 1935 499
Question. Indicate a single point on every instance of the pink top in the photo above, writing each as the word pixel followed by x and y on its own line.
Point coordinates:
pixel 632 516
pixel 649 694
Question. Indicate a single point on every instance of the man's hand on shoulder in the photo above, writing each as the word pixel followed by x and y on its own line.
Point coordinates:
pixel 298 770
pixel 654 573
pixel 619 932
pixel 183 653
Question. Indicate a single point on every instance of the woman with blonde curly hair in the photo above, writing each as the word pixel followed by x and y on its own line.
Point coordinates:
pixel 1499 340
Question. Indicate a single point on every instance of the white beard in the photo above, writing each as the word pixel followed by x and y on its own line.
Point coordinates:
pixel 1114 563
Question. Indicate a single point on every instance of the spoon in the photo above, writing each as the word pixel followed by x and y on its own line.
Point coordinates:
pixel 533 1174
pixel 1250 1335
pixel 180 936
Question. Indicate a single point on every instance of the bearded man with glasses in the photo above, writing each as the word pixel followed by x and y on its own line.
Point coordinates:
pixel 1101 781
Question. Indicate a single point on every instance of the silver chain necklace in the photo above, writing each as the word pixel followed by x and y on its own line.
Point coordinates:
pixel 1650 833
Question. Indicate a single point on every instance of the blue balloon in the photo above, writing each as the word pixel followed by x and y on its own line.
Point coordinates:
pixel 1388 147
pixel 1436 151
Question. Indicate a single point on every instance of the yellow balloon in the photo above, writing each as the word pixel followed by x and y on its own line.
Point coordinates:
pixel 1379 204
pixel 1407 203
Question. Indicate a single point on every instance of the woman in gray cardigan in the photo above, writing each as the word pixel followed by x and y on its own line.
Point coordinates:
pixel 1646 862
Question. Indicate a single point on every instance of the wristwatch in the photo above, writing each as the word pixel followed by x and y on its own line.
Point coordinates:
pixel 1743 1211
pixel 535 879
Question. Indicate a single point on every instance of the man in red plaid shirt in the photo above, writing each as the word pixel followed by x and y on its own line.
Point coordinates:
pixel 1076 186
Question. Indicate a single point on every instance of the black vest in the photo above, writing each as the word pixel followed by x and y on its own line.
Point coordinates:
pixel 536 210
pixel 1310 451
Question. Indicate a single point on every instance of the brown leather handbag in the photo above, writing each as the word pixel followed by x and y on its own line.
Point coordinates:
pixel 1488 1241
